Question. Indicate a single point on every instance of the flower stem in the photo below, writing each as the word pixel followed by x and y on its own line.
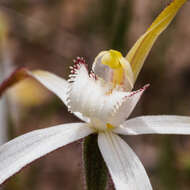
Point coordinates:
pixel 96 174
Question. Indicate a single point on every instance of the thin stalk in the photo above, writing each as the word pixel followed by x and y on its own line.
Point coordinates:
pixel 96 174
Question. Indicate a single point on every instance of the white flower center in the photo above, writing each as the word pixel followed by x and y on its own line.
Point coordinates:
pixel 92 97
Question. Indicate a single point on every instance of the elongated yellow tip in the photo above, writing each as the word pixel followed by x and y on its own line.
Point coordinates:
pixel 142 47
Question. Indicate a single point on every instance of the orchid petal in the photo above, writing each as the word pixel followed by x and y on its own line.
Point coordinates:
pixel 156 125
pixel 142 47
pixel 55 84
pixel 23 150
pixel 92 97
pixel 124 166
pixel 114 68
pixel 126 107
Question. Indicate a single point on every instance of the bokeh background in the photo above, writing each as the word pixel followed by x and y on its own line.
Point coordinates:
pixel 45 34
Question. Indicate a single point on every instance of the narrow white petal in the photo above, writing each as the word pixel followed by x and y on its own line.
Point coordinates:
pixel 55 84
pixel 125 168
pixel 23 150
pixel 126 107
pixel 156 125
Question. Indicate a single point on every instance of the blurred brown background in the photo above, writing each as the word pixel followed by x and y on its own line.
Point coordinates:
pixel 45 34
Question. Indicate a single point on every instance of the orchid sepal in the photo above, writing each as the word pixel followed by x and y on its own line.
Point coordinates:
pixel 140 50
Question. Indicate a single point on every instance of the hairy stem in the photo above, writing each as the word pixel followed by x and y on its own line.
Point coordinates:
pixel 96 174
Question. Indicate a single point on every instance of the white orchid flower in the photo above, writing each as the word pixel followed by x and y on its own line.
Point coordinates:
pixel 103 100
pixel 103 107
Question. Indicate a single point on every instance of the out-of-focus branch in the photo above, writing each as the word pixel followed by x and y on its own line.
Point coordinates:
pixel 14 78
